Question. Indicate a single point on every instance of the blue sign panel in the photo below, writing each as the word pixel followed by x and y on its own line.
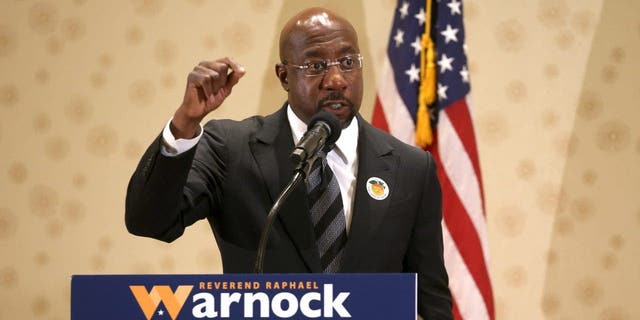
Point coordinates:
pixel 244 296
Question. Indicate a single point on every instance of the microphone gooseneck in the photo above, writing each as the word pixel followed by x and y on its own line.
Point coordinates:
pixel 322 132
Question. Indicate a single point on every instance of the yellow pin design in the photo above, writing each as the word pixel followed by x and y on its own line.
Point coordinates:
pixel 377 188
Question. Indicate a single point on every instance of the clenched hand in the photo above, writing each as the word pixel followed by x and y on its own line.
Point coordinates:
pixel 208 85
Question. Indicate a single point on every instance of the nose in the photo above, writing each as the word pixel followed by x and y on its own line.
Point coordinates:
pixel 334 79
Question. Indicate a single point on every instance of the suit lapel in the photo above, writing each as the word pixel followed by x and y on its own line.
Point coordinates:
pixel 271 150
pixel 375 159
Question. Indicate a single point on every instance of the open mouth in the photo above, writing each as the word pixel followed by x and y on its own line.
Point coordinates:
pixel 335 105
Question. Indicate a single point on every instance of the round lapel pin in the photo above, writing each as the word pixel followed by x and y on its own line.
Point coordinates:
pixel 377 188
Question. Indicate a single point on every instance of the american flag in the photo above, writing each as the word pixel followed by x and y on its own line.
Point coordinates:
pixel 453 145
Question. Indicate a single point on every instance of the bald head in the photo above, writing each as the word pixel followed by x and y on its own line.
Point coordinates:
pixel 319 37
pixel 318 22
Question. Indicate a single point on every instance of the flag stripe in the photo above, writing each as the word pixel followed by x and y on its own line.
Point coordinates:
pixel 455 311
pixel 459 169
pixel 378 119
pixel 465 239
pixel 462 285
pixel 463 125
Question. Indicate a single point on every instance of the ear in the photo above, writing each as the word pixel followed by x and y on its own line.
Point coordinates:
pixel 281 73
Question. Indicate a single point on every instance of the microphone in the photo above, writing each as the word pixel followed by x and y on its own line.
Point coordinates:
pixel 323 131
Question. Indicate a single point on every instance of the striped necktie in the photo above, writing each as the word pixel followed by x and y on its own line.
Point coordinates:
pixel 327 214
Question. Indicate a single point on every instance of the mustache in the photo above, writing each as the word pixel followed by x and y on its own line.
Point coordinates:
pixel 335 96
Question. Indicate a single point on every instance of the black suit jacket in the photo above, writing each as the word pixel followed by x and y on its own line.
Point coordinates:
pixel 239 168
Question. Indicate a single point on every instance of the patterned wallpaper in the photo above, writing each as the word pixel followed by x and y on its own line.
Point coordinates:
pixel 86 85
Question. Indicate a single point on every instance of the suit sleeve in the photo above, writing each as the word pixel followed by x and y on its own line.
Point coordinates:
pixel 167 194
pixel 425 254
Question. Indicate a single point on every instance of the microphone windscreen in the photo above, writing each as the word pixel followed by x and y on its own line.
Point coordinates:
pixel 333 123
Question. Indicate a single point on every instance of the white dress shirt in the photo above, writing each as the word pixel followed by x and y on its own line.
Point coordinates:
pixel 343 159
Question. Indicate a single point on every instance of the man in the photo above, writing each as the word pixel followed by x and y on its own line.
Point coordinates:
pixel 388 207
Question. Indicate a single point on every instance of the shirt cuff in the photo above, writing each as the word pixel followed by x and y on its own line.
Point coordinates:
pixel 172 147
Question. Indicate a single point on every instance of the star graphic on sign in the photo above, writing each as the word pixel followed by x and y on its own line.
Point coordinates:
pixel 450 34
pixel 417 46
pixel 464 73
pixel 420 16
pixel 413 73
pixel 442 92
pixel 399 38
pixel 455 7
pixel 445 63
pixel 404 10
pixel 160 312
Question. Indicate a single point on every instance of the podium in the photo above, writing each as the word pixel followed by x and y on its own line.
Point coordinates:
pixel 244 296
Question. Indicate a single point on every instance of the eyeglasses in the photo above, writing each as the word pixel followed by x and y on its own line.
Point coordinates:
pixel 320 67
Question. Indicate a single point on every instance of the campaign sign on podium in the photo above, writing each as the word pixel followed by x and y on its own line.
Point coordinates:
pixel 244 296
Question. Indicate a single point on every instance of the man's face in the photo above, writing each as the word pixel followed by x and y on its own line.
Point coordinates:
pixel 336 91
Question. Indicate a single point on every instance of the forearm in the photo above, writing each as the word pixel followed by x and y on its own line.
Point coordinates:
pixel 155 194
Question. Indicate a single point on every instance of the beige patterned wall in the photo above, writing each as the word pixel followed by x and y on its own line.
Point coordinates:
pixel 85 85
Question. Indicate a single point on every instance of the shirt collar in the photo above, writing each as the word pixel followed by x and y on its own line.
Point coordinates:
pixel 347 145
